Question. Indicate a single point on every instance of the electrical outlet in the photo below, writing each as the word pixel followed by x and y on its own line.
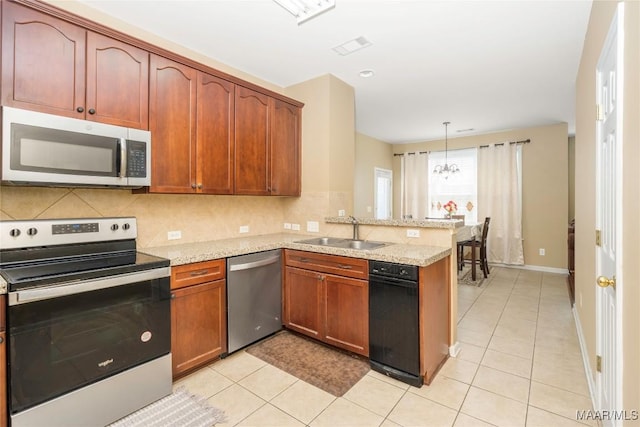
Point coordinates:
pixel 295 227
pixel 244 229
pixel 541 251
pixel 313 226
pixel 413 233
pixel 174 235
pixel 369 209
pixel 341 212
pixel 287 226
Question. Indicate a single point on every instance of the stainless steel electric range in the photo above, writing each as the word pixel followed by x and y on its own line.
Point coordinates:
pixel 89 321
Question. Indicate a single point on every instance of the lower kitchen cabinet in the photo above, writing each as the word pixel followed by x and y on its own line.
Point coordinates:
pixel 198 315
pixel 302 297
pixel 331 307
pixel 434 317
pixel 347 313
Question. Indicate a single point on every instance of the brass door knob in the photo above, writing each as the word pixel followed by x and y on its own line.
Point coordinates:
pixel 603 282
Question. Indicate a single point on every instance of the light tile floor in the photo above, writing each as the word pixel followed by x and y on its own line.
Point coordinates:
pixel 520 364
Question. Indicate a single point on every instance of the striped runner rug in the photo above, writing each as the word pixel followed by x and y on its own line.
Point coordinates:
pixel 178 409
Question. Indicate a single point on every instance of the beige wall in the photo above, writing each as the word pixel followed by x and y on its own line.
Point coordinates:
pixel 544 187
pixel 629 276
pixel 370 154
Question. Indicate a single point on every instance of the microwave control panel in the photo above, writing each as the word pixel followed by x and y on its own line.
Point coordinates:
pixel 136 159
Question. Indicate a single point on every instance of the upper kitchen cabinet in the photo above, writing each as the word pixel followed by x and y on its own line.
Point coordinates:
pixel 172 122
pixel 252 142
pixel 191 116
pixel 56 67
pixel 285 134
pixel 267 158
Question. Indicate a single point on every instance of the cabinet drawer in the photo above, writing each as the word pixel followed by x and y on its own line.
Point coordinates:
pixel 200 272
pixel 339 265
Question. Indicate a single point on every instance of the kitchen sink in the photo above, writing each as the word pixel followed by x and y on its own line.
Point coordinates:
pixel 322 241
pixel 343 243
pixel 360 244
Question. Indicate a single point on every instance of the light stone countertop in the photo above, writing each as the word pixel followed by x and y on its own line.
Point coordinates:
pixel 186 253
pixel 415 223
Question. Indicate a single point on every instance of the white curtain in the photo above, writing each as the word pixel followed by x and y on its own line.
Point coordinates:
pixel 415 185
pixel 500 198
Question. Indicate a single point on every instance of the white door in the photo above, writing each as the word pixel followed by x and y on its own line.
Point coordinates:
pixel 608 215
pixel 383 194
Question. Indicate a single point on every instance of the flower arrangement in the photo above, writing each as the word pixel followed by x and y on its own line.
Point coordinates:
pixel 450 207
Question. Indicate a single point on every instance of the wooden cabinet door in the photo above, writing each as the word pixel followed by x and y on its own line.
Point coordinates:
pixel 303 302
pixel 347 313
pixel 285 149
pixel 117 83
pixel 172 121
pixel 198 325
pixel 252 142
pixel 43 62
pixel 215 135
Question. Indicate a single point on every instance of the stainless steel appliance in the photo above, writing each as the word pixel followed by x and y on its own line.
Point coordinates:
pixel 254 297
pixel 89 329
pixel 49 150
pixel 394 335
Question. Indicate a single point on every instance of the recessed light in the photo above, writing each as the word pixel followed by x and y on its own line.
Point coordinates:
pixel 367 73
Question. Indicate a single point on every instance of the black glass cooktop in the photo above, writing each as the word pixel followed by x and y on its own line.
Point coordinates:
pixel 27 269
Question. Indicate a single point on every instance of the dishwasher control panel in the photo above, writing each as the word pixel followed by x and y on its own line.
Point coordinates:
pixel 389 269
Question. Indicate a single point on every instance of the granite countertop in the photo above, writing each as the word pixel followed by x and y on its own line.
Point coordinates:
pixel 416 223
pixel 186 253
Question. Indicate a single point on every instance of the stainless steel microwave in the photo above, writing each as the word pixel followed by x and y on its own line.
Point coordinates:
pixel 47 150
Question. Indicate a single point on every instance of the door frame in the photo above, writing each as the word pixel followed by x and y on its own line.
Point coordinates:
pixel 614 40
pixel 387 173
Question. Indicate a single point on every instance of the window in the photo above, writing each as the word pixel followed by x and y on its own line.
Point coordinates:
pixel 461 187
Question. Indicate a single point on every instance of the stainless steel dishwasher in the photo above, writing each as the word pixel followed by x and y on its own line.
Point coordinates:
pixel 254 297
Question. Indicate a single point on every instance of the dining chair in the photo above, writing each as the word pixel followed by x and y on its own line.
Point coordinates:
pixel 482 244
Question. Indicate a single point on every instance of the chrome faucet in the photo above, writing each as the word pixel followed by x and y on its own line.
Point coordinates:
pixel 355 223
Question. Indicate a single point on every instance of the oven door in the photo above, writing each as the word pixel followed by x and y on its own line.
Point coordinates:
pixel 62 338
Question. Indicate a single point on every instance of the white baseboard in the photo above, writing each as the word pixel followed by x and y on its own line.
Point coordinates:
pixel 585 357
pixel 454 350
pixel 533 268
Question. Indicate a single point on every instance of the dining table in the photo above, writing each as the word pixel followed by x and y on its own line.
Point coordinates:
pixel 470 232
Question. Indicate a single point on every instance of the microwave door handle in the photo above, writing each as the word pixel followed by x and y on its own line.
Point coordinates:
pixel 122 144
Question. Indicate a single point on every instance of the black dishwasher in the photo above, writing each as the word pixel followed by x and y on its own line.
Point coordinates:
pixel 394 333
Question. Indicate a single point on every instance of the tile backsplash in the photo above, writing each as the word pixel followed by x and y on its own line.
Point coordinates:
pixel 198 217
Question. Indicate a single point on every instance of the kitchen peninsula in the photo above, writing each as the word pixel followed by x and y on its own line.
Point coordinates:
pixel 326 270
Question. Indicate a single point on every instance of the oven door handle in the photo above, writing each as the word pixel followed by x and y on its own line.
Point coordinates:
pixel 36 294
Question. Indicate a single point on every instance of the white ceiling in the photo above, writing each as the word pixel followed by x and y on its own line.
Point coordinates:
pixel 487 65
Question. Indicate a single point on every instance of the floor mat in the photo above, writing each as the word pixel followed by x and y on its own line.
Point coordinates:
pixel 329 369
pixel 180 408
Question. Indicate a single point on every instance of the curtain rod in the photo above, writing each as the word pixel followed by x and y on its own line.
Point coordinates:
pixel 410 154
pixel 524 141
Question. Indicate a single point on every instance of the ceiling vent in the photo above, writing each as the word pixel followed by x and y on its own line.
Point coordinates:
pixel 352 46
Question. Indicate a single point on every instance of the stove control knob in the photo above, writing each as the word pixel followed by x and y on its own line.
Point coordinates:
pixel 126 226
pixel 114 227
pixel 32 231
pixel 14 232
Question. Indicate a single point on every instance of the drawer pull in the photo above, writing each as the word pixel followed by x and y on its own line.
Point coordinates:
pixel 346 267
pixel 199 273
pixel 304 260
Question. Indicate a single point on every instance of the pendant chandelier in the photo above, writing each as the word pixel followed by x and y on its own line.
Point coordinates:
pixel 446 169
